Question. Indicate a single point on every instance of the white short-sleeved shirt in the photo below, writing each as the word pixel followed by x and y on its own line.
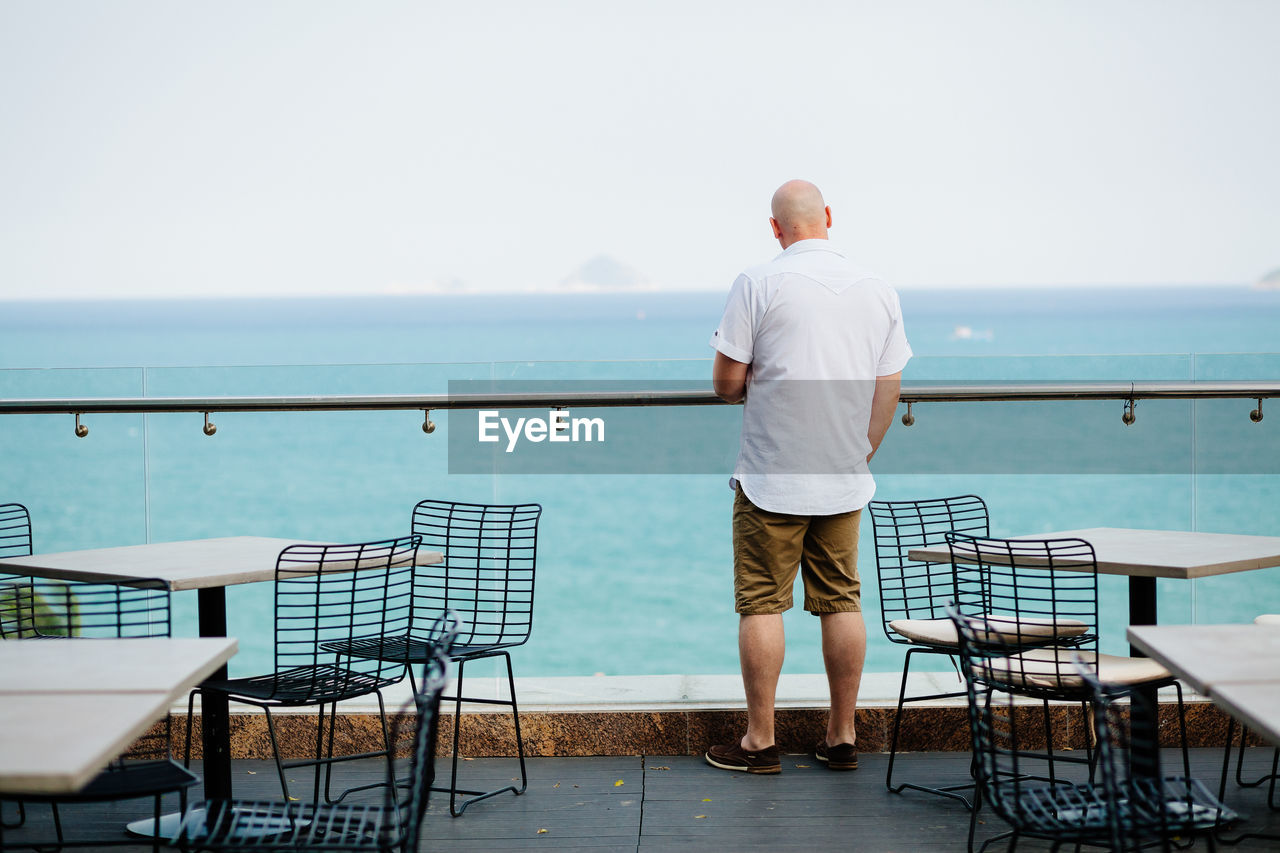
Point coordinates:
pixel 817 331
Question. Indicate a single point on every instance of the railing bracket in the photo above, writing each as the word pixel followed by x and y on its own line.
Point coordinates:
pixel 1256 414
pixel 428 425
pixel 209 427
pixel 908 419
pixel 1128 416
pixel 81 429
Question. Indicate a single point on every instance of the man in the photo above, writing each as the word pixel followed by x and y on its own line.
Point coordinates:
pixel 816 347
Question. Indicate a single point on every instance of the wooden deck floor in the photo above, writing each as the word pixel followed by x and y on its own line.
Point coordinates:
pixel 647 804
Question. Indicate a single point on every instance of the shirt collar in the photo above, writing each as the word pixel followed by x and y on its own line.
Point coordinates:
pixel 814 244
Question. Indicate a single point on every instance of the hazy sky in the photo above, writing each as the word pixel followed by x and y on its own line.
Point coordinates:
pixel 162 148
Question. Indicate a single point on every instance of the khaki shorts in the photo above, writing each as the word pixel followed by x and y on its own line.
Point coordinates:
pixel 769 548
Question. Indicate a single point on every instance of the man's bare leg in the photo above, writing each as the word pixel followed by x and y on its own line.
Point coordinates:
pixel 761 647
pixel 844 648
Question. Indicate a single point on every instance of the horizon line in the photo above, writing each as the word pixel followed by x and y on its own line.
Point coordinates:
pixel 622 291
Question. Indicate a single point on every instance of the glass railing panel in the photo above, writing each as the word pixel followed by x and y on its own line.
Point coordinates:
pixel 635 566
pixel 661 573
pixel 1237 483
pixel 1045 467
pixel 81 492
pixel 345 476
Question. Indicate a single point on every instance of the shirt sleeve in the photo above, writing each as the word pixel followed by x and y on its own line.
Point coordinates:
pixel 897 352
pixel 736 334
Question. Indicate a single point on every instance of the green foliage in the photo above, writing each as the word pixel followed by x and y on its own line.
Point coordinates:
pixel 26 610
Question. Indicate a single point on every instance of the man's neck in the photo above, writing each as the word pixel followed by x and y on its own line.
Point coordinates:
pixel 789 241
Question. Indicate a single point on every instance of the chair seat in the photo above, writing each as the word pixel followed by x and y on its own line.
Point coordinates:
pixel 992 628
pixel 1052 668
pixel 124 782
pixel 1080 811
pixel 275 825
pixel 303 685
pixel 408 648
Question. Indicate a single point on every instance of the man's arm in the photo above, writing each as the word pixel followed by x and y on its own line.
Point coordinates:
pixel 883 404
pixel 729 380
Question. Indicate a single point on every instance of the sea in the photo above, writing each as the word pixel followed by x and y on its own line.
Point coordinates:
pixel 634 562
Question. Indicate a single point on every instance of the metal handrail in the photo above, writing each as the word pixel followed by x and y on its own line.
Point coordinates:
pixel 940 392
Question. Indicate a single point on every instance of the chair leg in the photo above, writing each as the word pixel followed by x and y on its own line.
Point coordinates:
pixel 275 752
pixel 155 835
pixel 1226 758
pixel 456 808
pixel 1090 737
pixel 974 770
pixel 515 718
pixel 457 723
pixel 186 747
pixel 1244 734
pixel 1271 789
pixel 1048 743
pixel 1182 732
pixel 897 722
pixel 387 750
pixel 315 785
pixel 949 791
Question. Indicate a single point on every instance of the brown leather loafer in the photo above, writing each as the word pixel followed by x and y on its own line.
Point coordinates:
pixel 731 756
pixel 841 757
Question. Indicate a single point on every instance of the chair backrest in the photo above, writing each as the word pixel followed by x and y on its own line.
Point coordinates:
pixel 339 594
pixel 410 801
pixel 134 608
pixel 999 728
pixel 910 589
pixel 1150 806
pixel 15 530
pixel 487 577
pixel 1029 600
pixel 15 537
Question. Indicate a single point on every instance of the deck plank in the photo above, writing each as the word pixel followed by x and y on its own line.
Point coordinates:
pixel 670 803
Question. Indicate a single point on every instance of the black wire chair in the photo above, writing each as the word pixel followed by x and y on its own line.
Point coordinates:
pixel 1037 600
pixel 1115 808
pixel 1144 810
pixel 1268 778
pixel 490 556
pixel 15 541
pixel 135 608
pixel 1039 597
pixel 327 594
pixel 15 532
pixel 914 595
pixel 392 826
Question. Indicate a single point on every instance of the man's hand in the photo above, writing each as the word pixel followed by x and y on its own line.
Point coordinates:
pixel 729 380
pixel 883 404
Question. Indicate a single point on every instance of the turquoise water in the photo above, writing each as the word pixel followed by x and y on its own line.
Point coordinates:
pixel 634 570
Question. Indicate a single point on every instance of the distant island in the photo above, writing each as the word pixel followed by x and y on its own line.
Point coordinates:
pixel 1270 281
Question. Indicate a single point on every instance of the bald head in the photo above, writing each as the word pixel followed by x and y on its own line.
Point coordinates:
pixel 799 213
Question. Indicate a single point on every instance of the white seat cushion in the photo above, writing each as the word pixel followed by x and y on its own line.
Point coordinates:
pixel 1002 628
pixel 1268 619
pixel 1052 667
pixel 932 632
pixel 992 628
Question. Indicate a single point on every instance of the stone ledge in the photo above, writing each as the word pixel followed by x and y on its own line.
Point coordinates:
pixel 683 732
